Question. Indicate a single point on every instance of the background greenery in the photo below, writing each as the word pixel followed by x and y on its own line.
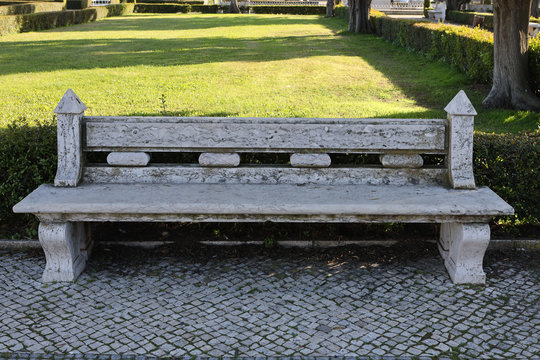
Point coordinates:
pixel 238 65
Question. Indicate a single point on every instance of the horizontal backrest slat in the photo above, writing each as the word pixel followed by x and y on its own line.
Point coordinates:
pixel 267 175
pixel 263 134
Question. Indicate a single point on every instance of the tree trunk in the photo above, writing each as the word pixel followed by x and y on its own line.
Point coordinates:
pixel 329 8
pixel 510 85
pixel 359 16
pixel 233 8
pixel 534 10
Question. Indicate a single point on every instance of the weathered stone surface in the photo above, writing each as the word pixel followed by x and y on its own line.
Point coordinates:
pixel 310 160
pixel 128 158
pixel 61 243
pixel 70 111
pixel 264 135
pixel 261 199
pixel 70 104
pixel 265 175
pixel 462 247
pixel 219 159
pixel 460 142
pixel 401 160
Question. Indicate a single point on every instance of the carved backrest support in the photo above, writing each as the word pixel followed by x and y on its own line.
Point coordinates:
pixel 226 150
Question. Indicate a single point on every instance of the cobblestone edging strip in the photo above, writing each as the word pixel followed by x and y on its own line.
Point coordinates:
pixel 29 356
pixel 248 304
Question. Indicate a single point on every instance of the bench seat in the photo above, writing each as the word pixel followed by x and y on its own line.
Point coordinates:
pixel 261 202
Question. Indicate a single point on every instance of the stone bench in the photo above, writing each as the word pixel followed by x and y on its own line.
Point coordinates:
pixel 220 187
pixel 439 12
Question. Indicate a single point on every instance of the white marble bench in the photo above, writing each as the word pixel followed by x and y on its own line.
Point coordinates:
pixel 220 187
pixel 439 12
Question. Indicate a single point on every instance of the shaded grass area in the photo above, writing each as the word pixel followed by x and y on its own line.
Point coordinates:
pixel 230 65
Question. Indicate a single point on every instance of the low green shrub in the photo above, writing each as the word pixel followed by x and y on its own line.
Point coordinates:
pixel 27 159
pixel 510 166
pixel 468 49
pixel 50 20
pixel 162 8
pixel 288 9
pixel 78 4
pixel 342 12
pixel 205 9
pixel 30 8
pixel 257 9
pixel 467 18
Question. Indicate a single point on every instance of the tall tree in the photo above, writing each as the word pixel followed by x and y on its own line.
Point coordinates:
pixel 510 83
pixel 233 8
pixel 329 8
pixel 359 16
pixel 534 10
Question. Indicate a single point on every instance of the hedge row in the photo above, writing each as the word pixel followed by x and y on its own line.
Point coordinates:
pixel 257 9
pixel 50 20
pixel 30 8
pixel 508 164
pixel 288 9
pixel 470 50
pixel 467 18
pixel 162 8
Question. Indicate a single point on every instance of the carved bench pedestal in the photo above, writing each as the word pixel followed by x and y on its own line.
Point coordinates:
pixel 462 247
pixel 62 243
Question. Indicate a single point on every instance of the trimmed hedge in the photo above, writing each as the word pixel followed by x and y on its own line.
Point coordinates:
pixel 205 9
pixel 50 20
pixel 470 50
pixel 288 9
pixel 257 9
pixel 342 12
pixel 30 8
pixel 27 158
pixel 508 164
pixel 467 18
pixel 162 8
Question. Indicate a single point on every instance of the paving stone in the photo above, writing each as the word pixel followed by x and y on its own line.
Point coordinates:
pixel 232 307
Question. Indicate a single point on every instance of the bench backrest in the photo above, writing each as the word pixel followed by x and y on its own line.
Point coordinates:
pixel 322 151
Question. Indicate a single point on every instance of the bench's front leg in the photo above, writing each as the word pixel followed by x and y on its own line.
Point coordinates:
pixel 61 242
pixel 462 247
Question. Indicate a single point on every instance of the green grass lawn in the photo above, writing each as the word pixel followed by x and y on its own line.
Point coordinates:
pixel 230 65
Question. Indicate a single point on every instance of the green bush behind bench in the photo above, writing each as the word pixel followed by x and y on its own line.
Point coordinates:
pixel 509 164
pixel 50 20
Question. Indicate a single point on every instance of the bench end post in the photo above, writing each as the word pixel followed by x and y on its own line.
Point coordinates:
pixel 69 111
pixel 460 141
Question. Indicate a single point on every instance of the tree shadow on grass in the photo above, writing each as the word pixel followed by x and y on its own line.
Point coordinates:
pixel 429 84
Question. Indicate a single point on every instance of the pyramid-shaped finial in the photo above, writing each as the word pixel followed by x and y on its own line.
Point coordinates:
pixel 460 105
pixel 70 104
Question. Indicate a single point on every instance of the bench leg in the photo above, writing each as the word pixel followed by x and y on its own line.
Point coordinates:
pixel 462 247
pixel 61 243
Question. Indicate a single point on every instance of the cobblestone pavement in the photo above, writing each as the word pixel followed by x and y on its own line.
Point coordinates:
pixel 249 304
